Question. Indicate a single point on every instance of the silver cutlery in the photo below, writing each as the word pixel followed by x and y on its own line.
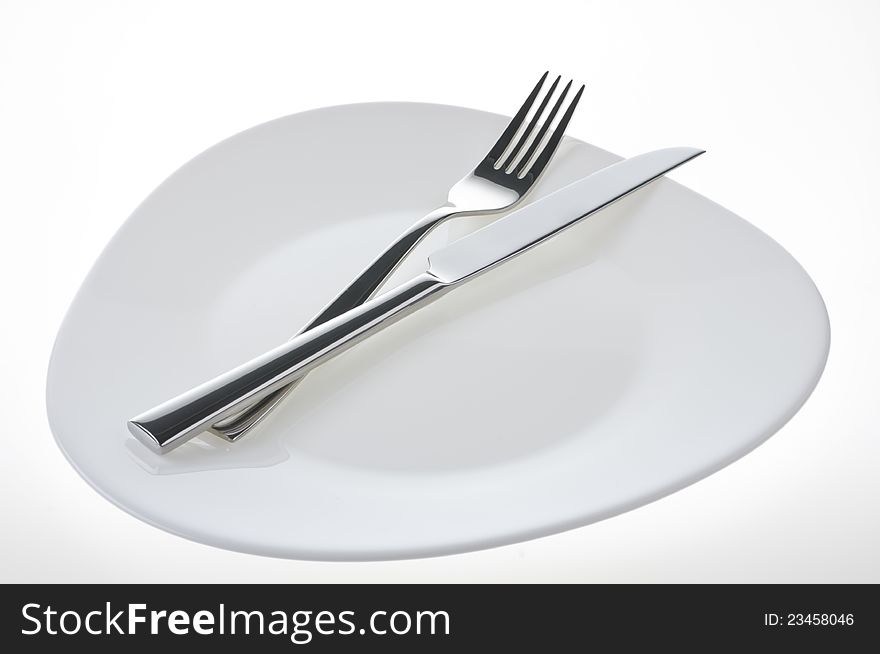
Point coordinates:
pixel 174 422
pixel 499 181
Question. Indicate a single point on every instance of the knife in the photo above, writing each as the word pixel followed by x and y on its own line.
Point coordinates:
pixel 174 422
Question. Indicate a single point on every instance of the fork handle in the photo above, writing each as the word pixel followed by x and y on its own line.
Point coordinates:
pixel 361 289
pixel 174 422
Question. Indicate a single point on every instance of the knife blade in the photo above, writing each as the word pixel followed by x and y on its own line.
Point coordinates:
pixel 175 421
pixel 529 226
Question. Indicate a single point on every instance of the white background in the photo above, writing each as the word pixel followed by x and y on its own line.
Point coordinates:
pixel 100 101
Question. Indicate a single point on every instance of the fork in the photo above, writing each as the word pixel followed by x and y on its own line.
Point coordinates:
pixel 498 182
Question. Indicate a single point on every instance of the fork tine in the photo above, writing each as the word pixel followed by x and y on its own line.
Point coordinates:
pixel 537 168
pixel 511 158
pixel 512 127
pixel 524 162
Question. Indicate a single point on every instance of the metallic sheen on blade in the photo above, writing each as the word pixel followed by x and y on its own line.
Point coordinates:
pixel 534 223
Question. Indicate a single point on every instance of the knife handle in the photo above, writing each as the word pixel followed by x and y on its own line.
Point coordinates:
pixel 174 422
pixel 361 289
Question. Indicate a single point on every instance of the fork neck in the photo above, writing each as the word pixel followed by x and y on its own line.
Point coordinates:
pixel 433 218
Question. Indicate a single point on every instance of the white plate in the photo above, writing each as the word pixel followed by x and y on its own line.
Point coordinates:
pixel 632 355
